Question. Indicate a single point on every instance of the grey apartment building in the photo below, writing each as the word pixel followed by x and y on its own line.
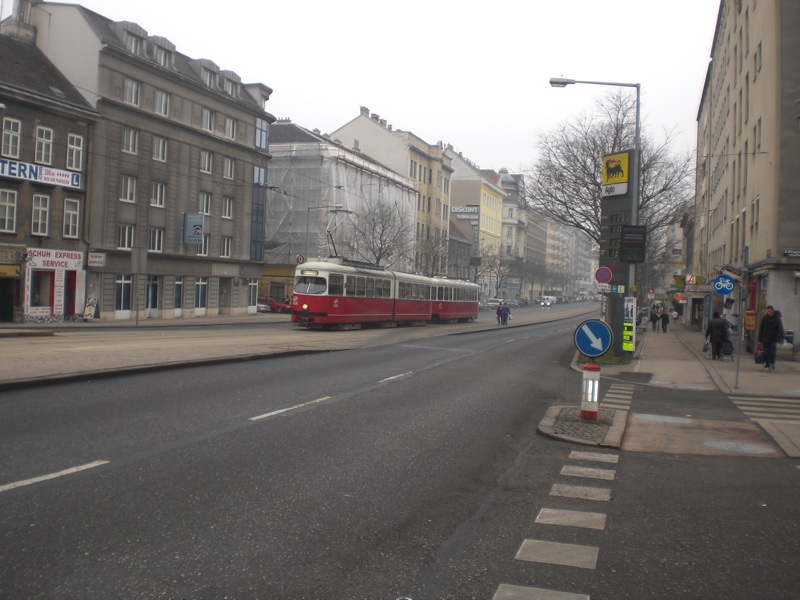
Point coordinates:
pixel 747 213
pixel 176 175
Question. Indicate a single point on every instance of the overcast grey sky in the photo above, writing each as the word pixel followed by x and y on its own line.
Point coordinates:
pixel 474 75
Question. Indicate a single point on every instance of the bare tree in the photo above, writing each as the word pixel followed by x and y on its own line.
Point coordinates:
pixel 381 234
pixel 565 183
pixel 432 256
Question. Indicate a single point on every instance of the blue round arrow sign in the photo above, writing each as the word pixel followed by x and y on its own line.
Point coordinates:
pixel 593 338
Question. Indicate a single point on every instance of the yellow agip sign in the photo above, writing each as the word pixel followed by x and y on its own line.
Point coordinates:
pixel 615 176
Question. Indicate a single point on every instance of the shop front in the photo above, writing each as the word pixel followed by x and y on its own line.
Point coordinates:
pixel 54 286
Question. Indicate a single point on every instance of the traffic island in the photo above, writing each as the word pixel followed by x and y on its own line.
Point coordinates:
pixel 565 423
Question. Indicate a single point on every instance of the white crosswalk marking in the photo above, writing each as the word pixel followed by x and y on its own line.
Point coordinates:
pixel 775 409
pixel 618 396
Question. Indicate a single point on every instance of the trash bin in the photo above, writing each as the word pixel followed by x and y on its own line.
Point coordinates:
pixel 789 335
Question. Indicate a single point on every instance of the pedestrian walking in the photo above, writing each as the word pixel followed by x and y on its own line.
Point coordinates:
pixel 770 334
pixel 664 321
pixel 717 332
pixel 505 313
pixel 654 319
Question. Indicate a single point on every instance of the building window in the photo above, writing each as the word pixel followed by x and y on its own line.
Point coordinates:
pixel 209 77
pixel 8 211
pixel 155 242
pixel 125 237
pixel 12 128
pixel 227 207
pixel 161 103
pixel 134 43
pixel 158 194
pixel 208 119
pixel 44 145
pixel 204 204
pixel 230 128
pixel 122 292
pixel 132 91
pixel 179 292
pixel 160 148
pixel 72 209
pixel 41 214
pixel 203 249
pixel 200 292
pixel 262 134
pixel 206 161
pixel 74 152
pixel 225 247
pixel 163 56
pixel 259 175
pixel 130 140
pixel 228 168
pixel 127 192
pixel 231 87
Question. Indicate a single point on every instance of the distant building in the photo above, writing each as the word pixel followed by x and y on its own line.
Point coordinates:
pixel 748 183
pixel 425 164
pixel 176 187
pixel 317 185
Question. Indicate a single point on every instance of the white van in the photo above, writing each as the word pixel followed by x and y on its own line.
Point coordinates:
pixel 547 300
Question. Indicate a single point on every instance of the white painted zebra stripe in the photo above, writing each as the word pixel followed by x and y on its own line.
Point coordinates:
pixel 595 456
pixel 517 592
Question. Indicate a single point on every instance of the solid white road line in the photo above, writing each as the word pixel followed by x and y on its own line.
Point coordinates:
pixel 17 484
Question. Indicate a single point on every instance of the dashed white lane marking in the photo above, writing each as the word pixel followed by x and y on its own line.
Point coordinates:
pixel 70 471
pixel 284 410
pixel 518 592
pixel 573 471
pixel 581 492
pixel 594 456
pixel 556 553
pixel 571 518
pixel 393 377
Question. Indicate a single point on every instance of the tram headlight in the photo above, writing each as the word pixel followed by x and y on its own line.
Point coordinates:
pixel 305 306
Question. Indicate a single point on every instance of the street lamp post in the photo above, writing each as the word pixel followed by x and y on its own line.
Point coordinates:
pixel 561 82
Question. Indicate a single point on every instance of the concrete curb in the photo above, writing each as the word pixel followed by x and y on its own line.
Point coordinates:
pixel 607 432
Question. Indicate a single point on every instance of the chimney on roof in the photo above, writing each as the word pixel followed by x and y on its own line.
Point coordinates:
pixel 389 127
pixel 375 117
pixel 364 111
pixel 382 122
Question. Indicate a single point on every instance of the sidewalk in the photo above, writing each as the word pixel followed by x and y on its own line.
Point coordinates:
pixel 676 360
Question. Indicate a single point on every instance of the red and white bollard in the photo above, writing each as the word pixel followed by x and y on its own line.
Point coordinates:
pixel 591 387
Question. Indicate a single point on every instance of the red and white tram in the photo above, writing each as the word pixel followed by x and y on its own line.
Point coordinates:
pixel 335 292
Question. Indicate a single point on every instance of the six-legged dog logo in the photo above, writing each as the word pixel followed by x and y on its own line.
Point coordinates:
pixel 614 169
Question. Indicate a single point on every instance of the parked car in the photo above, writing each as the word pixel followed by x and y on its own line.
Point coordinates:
pixel 512 303
pixel 522 301
pixel 266 305
pixel 493 302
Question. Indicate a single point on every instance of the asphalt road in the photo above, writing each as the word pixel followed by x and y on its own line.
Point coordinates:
pixel 408 469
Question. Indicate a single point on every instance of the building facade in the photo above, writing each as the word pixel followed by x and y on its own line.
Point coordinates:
pixel 46 127
pixel 746 208
pixel 177 178
pixel 426 165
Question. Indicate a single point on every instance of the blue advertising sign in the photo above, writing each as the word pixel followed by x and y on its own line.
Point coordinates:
pixel 192 228
pixel 593 338
pixel 724 284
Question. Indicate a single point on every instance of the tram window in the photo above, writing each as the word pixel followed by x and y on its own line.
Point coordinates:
pixel 370 287
pixel 383 288
pixel 309 285
pixel 350 288
pixel 335 285
pixel 361 286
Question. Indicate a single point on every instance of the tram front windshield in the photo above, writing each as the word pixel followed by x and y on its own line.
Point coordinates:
pixel 309 285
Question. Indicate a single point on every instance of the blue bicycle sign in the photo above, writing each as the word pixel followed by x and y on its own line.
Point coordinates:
pixel 724 284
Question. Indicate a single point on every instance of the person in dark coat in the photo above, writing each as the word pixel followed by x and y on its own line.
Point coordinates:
pixel 654 319
pixel 717 332
pixel 770 334
pixel 664 321
pixel 504 311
